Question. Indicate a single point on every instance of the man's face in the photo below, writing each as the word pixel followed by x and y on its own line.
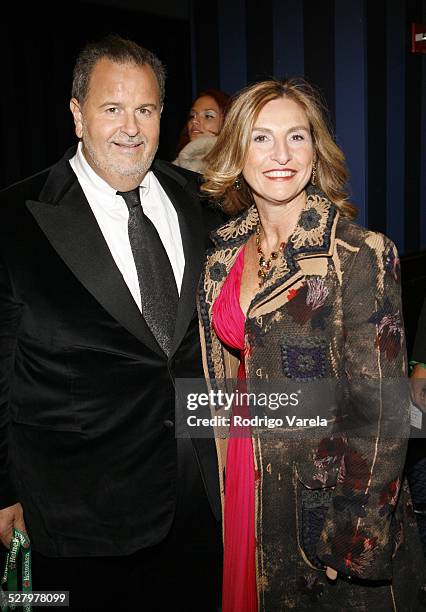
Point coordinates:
pixel 119 122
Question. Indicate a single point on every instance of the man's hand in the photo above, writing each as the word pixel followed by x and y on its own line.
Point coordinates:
pixel 418 387
pixel 10 517
pixel 331 573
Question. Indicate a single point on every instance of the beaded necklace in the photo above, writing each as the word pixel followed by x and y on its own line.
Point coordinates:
pixel 265 264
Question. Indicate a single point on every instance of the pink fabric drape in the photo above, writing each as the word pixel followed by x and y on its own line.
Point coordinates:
pixel 239 573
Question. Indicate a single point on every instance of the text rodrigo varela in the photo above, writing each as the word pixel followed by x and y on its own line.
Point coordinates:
pixel 221 400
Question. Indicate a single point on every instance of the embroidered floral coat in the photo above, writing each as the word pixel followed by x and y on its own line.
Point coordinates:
pixel 329 310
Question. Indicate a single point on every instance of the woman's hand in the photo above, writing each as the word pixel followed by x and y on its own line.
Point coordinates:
pixel 331 573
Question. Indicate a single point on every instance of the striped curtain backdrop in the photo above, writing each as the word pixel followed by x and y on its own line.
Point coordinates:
pixel 358 53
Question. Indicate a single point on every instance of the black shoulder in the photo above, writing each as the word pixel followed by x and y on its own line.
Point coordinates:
pixel 212 214
pixel 191 182
pixel 27 189
pixel 181 175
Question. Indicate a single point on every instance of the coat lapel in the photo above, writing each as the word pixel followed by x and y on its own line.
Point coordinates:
pixel 66 219
pixel 189 213
pixel 313 236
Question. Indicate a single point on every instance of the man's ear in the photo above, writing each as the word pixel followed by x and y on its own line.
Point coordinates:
pixel 77 115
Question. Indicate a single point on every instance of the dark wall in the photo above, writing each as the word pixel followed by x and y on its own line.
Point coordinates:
pixel 38 51
pixel 413 277
pixel 358 53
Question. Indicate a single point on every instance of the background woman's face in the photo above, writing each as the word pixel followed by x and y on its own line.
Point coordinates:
pixel 205 118
pixel 279 162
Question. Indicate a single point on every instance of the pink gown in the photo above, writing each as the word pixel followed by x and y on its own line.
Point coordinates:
pixel 239 573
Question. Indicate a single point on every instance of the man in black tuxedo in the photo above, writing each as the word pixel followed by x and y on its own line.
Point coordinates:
pixel 99 262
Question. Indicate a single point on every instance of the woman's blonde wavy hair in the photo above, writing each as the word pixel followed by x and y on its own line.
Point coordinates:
pixel 227 159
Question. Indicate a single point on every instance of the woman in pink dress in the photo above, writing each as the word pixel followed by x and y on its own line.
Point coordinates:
pixel 315 517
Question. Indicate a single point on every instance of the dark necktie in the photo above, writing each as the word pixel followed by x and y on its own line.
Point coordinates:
pixel 159 295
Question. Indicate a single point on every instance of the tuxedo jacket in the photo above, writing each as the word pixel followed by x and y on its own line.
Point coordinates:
pixel 87 401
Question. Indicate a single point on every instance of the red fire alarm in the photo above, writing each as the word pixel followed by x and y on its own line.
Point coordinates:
pixel 418 38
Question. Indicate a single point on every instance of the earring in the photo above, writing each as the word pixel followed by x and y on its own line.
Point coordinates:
pixel 314 173
pixel 237 184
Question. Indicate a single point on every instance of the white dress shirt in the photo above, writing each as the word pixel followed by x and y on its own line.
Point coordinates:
pixel 112 215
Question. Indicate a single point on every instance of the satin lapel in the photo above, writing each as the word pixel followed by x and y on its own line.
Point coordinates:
pixel 192 232
pixel 71 228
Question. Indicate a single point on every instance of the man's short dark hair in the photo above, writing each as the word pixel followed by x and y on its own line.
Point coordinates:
pixel 116 49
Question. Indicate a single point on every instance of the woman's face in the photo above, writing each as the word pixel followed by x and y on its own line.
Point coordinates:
pixel 279 162
pixel 205 117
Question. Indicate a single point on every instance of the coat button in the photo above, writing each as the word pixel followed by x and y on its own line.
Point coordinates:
pixel 168 424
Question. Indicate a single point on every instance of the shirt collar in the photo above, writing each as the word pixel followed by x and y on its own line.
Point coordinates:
pixel 145 185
